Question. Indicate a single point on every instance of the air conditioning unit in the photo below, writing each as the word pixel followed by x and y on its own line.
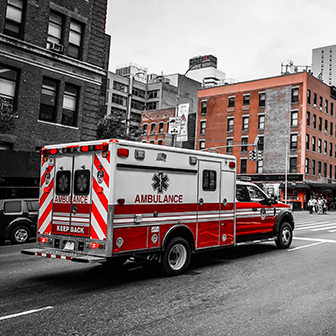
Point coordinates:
pixel 56 47
pixel 326 132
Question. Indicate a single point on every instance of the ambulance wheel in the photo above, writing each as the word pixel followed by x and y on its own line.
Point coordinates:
pixel 20 235
pixel 285 236
pixel 176 257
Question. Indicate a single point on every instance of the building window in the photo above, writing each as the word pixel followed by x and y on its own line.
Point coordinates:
pixel 294 118
pixel 262 99
pixel 320 124
pixel 308 118
pixel 230 124
pixel 48 100
pixel 307 141
pixel 160 142
pixel 331 128
pixel 202 144
pixel 260 166
pixel 120 87
pixel 308 96
pixel 331 108
pixel 243 166
pixel 325 147
pixel 326 106
pixel 314 121
pixel 245 124
pixel 117 99
pixel 244 145
pixel 144 129
pixel 75 39
pixel 293 165
pixel 321 103
pixel 261 122
pixel 330 149
pixel 203 127
pixel 319 146
pixel 330 171
pixel 313 168
pixel 326 126
pixel 246 99
pixel 295 95
pixel 307 166
pixel 138 92
pixel 315 100
pixel 14 18
pixel 261 143
pixel 313 144
pixel 137 105
pixel 161 127
pixel 70 110
pixel 293 141
pixel 151 106
pixel 325 169
pixel 136 117
pixel 152 142
pixel 229 143
pixel 231 101
pixel 8 80
pixel 55 31
pixel 152 94
pixel 152 128
pixel 204 107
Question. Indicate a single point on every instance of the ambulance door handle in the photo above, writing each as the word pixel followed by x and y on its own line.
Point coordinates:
pixel 201 201
pixel 254 209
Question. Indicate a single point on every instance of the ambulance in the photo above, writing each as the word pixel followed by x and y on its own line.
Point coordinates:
pixel 106 201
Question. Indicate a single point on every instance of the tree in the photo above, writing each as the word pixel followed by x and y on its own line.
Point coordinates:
pixel 113 126
pixel 7 116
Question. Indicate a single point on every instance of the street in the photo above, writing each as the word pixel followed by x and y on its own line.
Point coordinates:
pixel 248 290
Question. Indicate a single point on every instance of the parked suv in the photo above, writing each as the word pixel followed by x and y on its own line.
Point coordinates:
pixel 18 219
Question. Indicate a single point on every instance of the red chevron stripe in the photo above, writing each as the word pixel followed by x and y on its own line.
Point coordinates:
pixel 100 220
pixel 106 175
pixel 102 197
pixel 45 214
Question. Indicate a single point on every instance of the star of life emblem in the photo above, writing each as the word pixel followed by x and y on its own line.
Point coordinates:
pixel 160 182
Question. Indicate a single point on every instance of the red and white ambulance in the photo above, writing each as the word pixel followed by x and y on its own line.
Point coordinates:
pixel 109 200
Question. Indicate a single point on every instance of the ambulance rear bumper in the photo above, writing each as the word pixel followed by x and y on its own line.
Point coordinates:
pixel 64 255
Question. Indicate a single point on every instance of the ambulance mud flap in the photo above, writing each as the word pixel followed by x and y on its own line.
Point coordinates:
pixel 63 255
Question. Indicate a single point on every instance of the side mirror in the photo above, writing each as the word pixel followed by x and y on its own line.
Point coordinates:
pixel 274 199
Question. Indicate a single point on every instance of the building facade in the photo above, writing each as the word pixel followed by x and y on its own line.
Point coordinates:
pixel 292 121
pixel 53 73
pixel 324 64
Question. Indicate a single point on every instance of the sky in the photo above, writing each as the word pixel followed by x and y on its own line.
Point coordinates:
pixel 250 38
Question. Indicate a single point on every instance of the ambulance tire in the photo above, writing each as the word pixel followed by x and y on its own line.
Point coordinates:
pixel 20 235
pixel 285 236
pixel 176 257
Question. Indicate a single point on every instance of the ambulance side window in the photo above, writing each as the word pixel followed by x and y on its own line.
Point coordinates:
pixel 209 180
pixel 242 194
pixel 82 182
pixel 256 195
pixel 63 178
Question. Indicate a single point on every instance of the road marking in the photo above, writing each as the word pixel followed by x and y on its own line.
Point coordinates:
pixel 325 228
pixel 312 226
pixel 332 231
pixel 316 240
pixel 24 313
pixel 304 246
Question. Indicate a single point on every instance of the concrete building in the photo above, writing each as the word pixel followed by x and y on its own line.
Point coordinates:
pixel 203 69
pixel 324 64
pixel 293 117
pixel 53 72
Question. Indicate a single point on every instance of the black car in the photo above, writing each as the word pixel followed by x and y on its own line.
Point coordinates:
pixel 18 219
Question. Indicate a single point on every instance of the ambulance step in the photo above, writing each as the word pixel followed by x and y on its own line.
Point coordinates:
pixel 257 241
pixel 64 255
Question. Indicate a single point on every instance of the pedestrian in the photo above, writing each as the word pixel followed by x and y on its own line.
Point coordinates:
pixel 311 205
pixel 320 206
pixel 314 205
pixel 324 205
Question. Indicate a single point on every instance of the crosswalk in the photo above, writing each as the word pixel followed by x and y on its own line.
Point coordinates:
pixel 316 224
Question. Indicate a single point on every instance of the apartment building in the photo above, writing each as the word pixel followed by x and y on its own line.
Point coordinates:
pixel 324 64
pixel 53 72
pixel 291 119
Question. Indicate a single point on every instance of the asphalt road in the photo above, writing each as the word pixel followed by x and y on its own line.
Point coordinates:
pixel 249 290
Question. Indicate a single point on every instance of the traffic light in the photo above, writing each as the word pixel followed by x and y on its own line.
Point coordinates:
pixel 253 155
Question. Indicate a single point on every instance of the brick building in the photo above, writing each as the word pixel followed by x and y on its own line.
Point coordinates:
pixel 293 117
pixel 53 71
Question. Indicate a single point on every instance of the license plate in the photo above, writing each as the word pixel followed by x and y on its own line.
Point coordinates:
pixel 69 245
